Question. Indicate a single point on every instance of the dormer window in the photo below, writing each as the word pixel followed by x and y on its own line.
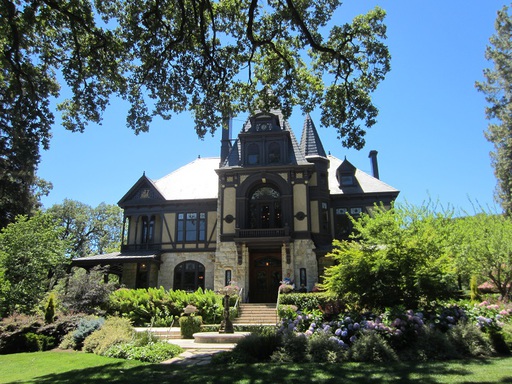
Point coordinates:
pixel 346 174
pixel 347 180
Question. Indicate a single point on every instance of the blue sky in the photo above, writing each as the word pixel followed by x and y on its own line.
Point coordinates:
pixel 429 133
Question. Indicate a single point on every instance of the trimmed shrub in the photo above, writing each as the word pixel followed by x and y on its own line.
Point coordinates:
pixel 295 349
pixel 190 325
pixel 114 331
pixel 151 353
pixel 49 310
pixel 323 347
pixel 497 339
pixel 469 340
pixel 34 343
pixel 257 347
pixel 158 307
pixel 372 347
pixel 13 329
pixel 431 344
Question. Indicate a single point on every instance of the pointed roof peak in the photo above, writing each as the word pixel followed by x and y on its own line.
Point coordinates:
pixel 310 143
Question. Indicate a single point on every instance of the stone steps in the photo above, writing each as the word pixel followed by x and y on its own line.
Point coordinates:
pixel 256 314
pixel 164 333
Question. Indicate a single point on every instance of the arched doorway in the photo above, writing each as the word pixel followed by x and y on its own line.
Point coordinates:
pixel 189 276
pixel 265 208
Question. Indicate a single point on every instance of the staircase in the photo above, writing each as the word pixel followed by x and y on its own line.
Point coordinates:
pixel 256 314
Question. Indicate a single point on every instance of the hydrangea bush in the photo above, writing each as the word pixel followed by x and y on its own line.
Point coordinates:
pixel 400 329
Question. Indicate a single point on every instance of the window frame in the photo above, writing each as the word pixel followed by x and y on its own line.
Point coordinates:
pixel 189 232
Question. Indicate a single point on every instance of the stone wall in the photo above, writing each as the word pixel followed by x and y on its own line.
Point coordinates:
pixel 171 260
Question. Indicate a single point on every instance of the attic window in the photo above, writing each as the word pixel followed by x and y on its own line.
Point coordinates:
pixel 347 180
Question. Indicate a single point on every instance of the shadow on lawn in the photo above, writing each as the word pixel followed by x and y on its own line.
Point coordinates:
pixel 267 373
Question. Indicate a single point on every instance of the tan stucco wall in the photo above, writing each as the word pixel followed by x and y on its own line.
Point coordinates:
pixel 229 206
pixel 300 204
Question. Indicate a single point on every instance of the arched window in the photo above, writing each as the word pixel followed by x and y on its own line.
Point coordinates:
pixel 265 208
pixel 274 153
pixel 189 276
pixel 253 154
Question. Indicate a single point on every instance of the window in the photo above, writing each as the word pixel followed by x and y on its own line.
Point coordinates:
pixel 227 277
pixel 347 180
pixel 191 227
pixel 274 153
pixel 343 225
pixel 325 215
pixel 265 208
pixel 189 276
pixel 147 230
pixel 253 154
pixel 126 230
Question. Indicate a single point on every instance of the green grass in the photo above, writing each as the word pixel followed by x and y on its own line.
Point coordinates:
pixel 74 367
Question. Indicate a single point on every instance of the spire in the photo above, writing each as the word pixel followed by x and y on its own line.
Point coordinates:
pixel 310 143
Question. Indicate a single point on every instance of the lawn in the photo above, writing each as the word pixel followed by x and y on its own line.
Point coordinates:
pixel 75 367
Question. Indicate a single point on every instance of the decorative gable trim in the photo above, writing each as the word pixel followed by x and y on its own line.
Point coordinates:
pixel 144 191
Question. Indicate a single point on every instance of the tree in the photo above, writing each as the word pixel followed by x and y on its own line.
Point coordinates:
pixel 497 88
pixel 86 291
pixel 212 58
pixel 32 257
pixel 89 230
pixel 484 247
pixel 398 257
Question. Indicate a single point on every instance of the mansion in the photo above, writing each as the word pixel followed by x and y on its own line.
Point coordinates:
pixel 266 210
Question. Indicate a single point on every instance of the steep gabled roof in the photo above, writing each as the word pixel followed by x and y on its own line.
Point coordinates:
pixel 143 191
pixel 195 180
pixel 310 144
pixel 365 182
pixel 296 155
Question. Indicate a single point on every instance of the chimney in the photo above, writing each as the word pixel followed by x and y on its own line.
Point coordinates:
pixel 225 145
pixel 373 160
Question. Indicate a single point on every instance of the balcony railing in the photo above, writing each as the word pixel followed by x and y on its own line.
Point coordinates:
pixel 263 232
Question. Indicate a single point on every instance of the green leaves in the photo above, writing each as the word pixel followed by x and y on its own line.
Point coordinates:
pixel 398 257
pixel 497 90
pixel 32 256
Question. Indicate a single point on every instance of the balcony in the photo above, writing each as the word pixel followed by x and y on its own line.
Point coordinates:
pixel 262 232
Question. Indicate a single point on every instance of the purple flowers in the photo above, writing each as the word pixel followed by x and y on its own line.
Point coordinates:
pixel 346 330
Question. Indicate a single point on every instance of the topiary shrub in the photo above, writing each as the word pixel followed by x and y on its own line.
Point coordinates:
pixel 372 347
pixel 114 331
pixel 49 310
pixel 190 325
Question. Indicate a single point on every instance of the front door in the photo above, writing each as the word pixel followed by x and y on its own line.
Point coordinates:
pixel 265 277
